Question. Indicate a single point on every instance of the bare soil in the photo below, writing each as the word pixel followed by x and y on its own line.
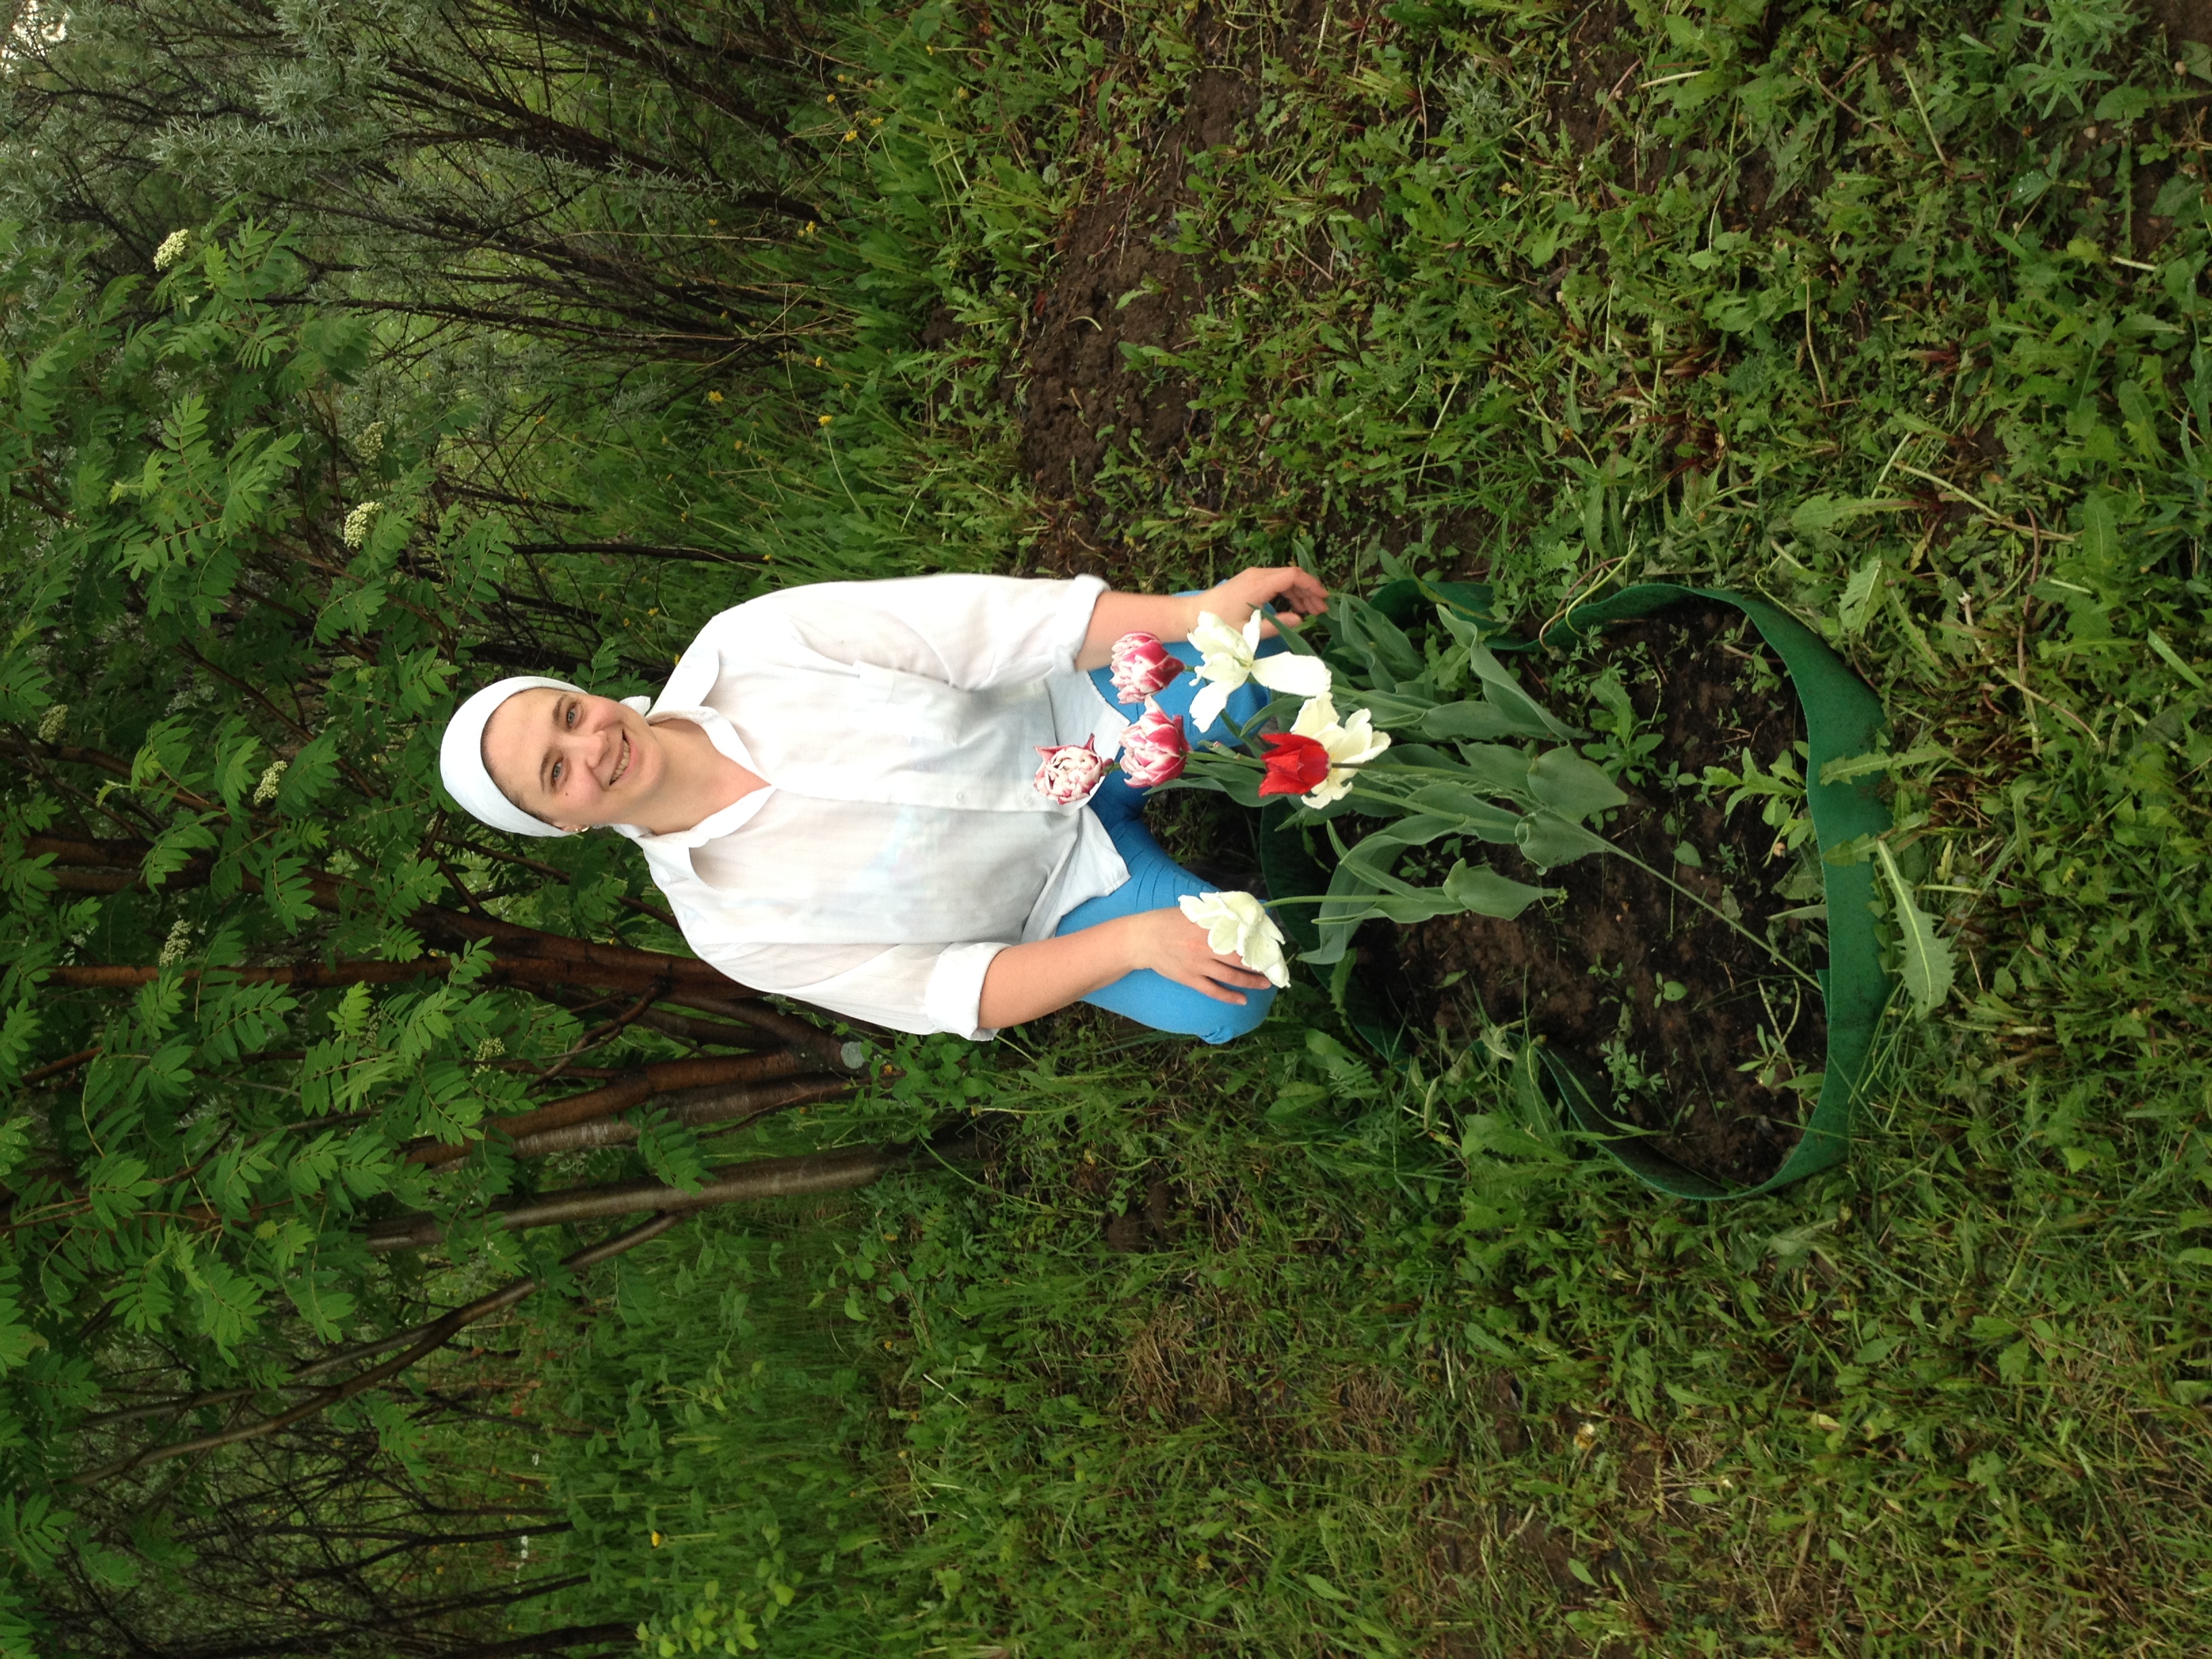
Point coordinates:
pixel 1591 973
pixel 1118 284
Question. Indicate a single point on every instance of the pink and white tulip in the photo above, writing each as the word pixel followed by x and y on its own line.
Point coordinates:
pixel 1070 773
pixel 1154 748
pixel 1140 666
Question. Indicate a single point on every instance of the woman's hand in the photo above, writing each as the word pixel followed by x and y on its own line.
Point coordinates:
pixel 1295 594
pixel 1174 946
pixel 1025 980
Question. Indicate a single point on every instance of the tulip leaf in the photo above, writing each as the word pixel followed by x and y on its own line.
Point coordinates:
pixel 1479 888
pixel 1498 767
pixel 1421 905
pixel 1358 627
pixel 1472 814
pixel 1570 786
pixel 1548 840
pixel 1480 721
pixel 1502 687
pixel 1289 636
pixel 1393 710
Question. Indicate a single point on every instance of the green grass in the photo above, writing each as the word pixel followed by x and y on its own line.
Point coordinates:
pixel 1891 313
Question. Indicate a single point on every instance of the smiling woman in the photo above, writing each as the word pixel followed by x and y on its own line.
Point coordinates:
pixel 834 791
pixel 579 762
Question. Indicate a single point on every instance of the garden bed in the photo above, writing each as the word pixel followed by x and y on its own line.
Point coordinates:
pixel 1711 1050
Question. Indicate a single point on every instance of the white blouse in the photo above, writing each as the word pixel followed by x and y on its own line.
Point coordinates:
pixel 898 846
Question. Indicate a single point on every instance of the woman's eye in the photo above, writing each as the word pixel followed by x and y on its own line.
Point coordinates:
pixel 572 714
pixel 557 766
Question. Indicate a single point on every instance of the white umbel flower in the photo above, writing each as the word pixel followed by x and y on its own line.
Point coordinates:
pixel 53 723
pixel 271 782
pixel 370 444
pixel 1351 745
pixel 1237 925
pixel 1232 657
pixel 179 942
pixel 173 247
pixel 358 522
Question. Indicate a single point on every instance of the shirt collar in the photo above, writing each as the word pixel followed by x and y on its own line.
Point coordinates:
pixel 734 817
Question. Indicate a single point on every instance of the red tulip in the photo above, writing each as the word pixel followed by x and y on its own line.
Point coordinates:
pixel 1296 765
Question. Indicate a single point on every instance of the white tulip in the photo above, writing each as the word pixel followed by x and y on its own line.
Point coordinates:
pixel 1232 657
pixel 1351 745
pixel 1235 925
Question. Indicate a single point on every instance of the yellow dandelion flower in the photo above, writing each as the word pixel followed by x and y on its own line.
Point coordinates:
pixel 714 397
pixel 852 136
pixel 656 1541
pixel 832 99
pixel 822 420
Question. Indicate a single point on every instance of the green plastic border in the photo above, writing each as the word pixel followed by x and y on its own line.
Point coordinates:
pixel 1843 718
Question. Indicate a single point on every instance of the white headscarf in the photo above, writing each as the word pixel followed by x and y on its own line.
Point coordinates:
pixel 461 762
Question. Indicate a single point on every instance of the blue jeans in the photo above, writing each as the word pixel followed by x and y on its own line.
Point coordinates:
pixel 1156 881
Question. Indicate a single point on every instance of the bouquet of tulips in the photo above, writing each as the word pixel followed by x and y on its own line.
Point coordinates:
pixel 1437 741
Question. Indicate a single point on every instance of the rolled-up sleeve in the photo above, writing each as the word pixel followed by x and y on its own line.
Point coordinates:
pixel 922 988
pixel 974 632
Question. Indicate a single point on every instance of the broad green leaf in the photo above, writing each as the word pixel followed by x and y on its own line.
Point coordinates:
pixel 1479 888
pixel 1497 767
pixel 1391 710
pixel 1924 958
pixel 1469 814
pixel 1480 720
pixel 1861 594
pixel 1843 771
pixel 1570 786
pixel 1825 512
pixel 1548 840
pixel 1502 689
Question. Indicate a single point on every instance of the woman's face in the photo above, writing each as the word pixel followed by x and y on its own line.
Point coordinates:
pixel 573 760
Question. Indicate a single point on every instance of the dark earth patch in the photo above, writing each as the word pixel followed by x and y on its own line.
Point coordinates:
pixel 1601 59
pixel 1589 974
pixel 1119 286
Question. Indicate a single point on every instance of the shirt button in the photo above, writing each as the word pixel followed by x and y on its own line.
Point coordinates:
pixel 960 797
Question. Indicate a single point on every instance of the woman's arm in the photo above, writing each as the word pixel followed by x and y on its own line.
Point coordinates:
pixel 1294 593
pixel 1026 981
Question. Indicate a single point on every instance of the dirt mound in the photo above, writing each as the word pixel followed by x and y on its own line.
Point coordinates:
pixel 1119 286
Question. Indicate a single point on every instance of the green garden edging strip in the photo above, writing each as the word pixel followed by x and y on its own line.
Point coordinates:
pixel 1843 718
